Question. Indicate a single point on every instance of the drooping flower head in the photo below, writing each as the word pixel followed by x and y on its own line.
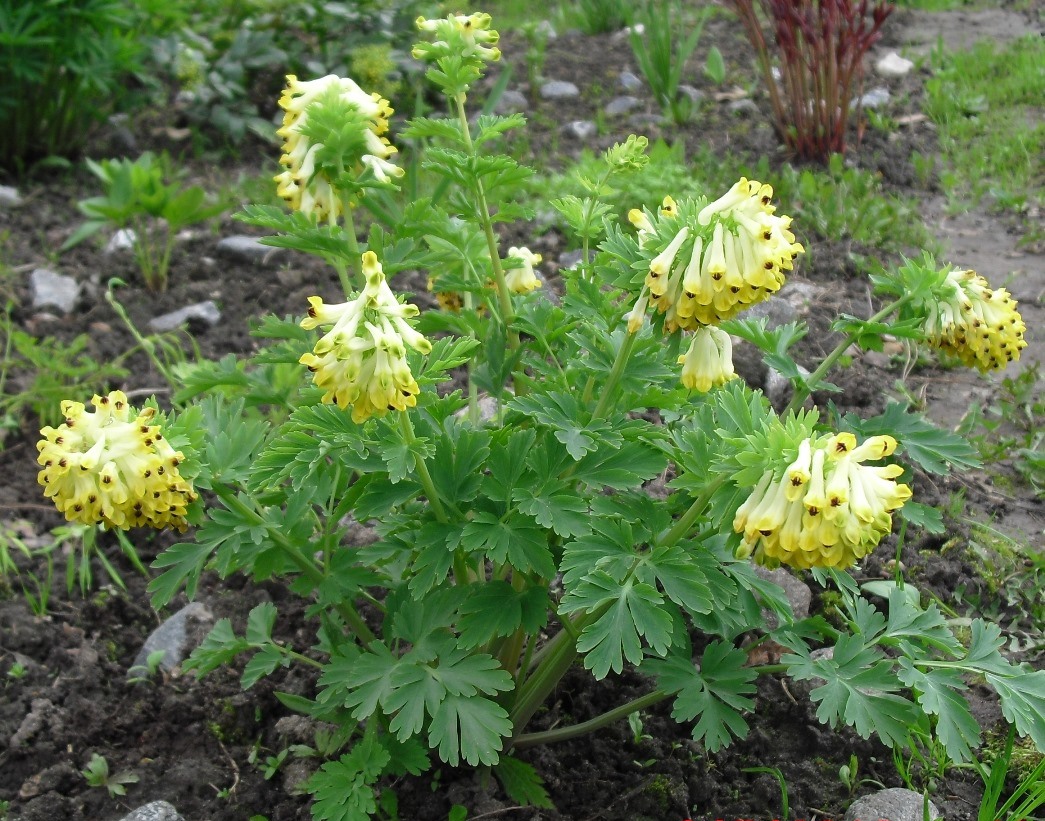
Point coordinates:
pixel 361 361
pixel 826 508
pixel 710 261
pixel 467 36
pixel 113 466
pixel 521 279
pixel 709 361
pixel 978 324
pixel 331 126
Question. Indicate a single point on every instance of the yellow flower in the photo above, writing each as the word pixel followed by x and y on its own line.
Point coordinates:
pixel 721 258
pixel 522 279
pixel 709 361
pixel 978 324
pixel 827 508
pixel 361 360
pixel 463 35
pixel 307 188
pixel 113 466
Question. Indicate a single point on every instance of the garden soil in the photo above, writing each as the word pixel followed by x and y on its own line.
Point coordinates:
pixel 202 744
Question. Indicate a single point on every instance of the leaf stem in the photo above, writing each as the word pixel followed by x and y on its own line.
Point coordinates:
pixel 597 723
pixel 410 439
pixel 619 363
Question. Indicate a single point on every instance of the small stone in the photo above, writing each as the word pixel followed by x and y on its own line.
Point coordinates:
pixel 800 295
pixel 204 313
pixel 893 65
pixel 694 94
pixel 629 81
pixel 778 387
pixel 154 811
pixel 621 105
pixel 560 90
pixel 52 290
pixel 776 312
pixel 798 593
pixel 42 713
pixel 582 130
pixel 895 804
pixel 122 240
pixel 512 102
pixel 875 98
pixel 248 248
pixel 9 197
pixel 291 277
pixel 877 359
pixel 568 259
pixel 176 637
pixel 546 30
pixel 744 107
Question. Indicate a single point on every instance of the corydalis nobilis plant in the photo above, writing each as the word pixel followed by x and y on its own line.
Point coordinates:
pixel 514 539
pixel 114 467
pixel 818 48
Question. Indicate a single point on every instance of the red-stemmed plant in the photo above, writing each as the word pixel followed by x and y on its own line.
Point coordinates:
pixel 818 46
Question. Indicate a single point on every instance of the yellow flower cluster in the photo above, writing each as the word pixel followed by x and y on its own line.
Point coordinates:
pixel 463 35
pixel 709 361
pixel 301 184
pixel 113 466
pixel 361 360
pixel 976 323
pixel 826 509
pixel 522 279
pixel 727 256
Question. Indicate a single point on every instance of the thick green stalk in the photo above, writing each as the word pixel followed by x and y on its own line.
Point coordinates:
pixel 590 726
pixel 407 427
pixel 353 250
pixel 803 391
pixel 609 390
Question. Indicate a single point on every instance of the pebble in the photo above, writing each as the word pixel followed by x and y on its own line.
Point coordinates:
pixel 248 248
pixel 206 313
pixel 621 105
pixel 122 240
pixel 896 804
pixel 629 81
pixel 778 387
pixel 567 259
pixel 582 130
pixel 875 98
pixel 9 197
pixel 512 102
pixel 177 637
pixel 743 107
pixel 560 90
pixel 797 592
pixel 51 290
pixel 695 94
pixel 893 65
pixel 776 312
pixel 154 811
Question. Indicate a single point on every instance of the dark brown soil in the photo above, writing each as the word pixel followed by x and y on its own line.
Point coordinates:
pixel 202 744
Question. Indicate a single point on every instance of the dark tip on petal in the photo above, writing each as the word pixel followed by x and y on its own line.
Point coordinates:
pixel 106 480
pixel 61 463
pixel 144 429
pixel 58 440
pixel 148 473
pixel 159 470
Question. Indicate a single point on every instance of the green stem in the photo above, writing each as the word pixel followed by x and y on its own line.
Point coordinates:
pixel 504 298
pixel 146 344
pixel 307 566
pixel 353 250
pixel 685 523
pixel 803 391
pixel 410 439
pixel 609 390
pixel 597 723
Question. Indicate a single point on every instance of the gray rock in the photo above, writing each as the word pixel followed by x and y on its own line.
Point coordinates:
pixel 51 290
pixel 798 593
pixel 567 259
pixel 895 804
pixel 776 312
pixel 629 81
pixel 893 65
pixel 695 94
pixel 875 98
pixel 206 313
pixel 9 197
pixel 176 637
pixel 743 108
pixel 154 811
pixel 800 295
pixel 248 248
pixel 560 90
pixel 582 130
pixel 512 102
pixel 778 387
pixel 621 105
pixel 122 240
pixel 42 713
pixel 546 29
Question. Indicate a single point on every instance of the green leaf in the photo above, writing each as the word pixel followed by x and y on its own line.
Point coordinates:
pixel 928 518
pixel 715 66
pixel 938 693
pixel 365 679
pixel 261 664
pixel 774 343
pixel 621 468
pixel 634 612
pixel 472 728
pixel 185 561
pixel 567 515
pixel 495 609
pixel 717 692
pixel 260 621
pixel 460 452
pixel 684 576
pixel 514 541
pixel 521 783
pixel 219 648
pixel 343 789
pixel 420 128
